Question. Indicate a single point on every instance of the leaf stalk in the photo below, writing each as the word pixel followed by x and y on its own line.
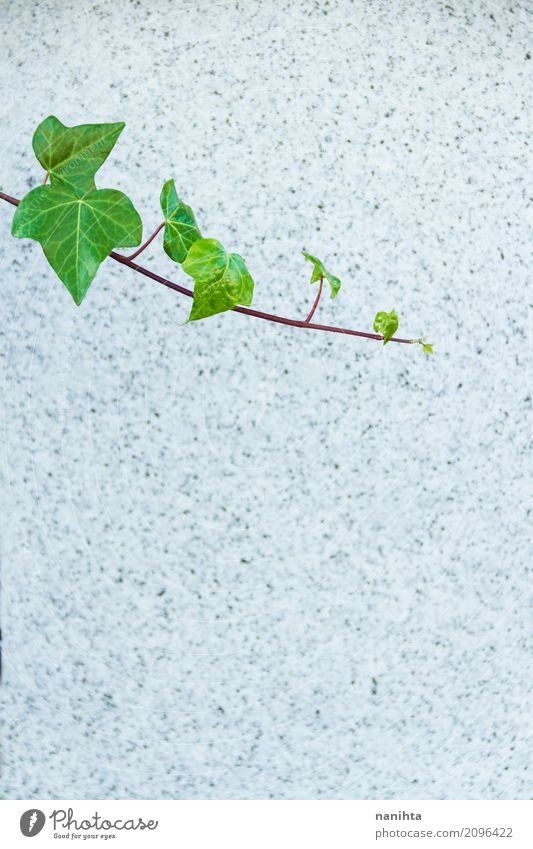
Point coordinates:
pixel 145 244
pixel 313 308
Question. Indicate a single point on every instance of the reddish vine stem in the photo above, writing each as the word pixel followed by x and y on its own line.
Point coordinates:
pixel 148 242
pixel 313 308
pixel 277 319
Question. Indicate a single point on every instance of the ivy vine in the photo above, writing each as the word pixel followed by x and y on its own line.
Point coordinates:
pixel 79 225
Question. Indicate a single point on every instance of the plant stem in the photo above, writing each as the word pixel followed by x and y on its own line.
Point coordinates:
pixel 145 245
pixel 277 319
pixel 45 179
pixel 313 308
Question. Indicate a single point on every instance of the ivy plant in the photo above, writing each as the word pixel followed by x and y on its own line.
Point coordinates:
pixel 77 231
pixel 78 225
pixel 320 272
pixel 221 280
pixel 181 229
pixel 71 156
pixel 386 323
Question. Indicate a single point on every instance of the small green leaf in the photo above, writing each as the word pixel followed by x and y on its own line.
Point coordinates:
pixel 221 280
pixel 73 155
pixel 386 323
pixel 427 346
pixel 77 233
pixel 181 229
pixel 320 270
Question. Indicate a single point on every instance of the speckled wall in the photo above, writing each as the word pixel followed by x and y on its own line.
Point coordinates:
pixel 247 561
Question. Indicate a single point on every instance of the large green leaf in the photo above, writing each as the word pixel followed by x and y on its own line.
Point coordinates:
pixel 73 155
pixel 77 233
pixel 386 323
pixel 320 270
pixel 181 229
pixel 221 280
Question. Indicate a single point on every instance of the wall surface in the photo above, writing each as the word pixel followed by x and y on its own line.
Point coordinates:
pixel 247 561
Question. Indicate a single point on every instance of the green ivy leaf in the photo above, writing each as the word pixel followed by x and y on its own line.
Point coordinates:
pixel 320 270
pixel 73 155
pixel 386 323
pixel 428 347
pixel 77 233
pixel 181 229
pixel 221 280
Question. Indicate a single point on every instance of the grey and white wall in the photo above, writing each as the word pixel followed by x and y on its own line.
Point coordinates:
pixel 245 561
